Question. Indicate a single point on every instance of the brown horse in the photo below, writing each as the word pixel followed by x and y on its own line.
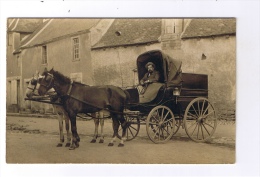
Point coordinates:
pixel 79 98
pixel 32 91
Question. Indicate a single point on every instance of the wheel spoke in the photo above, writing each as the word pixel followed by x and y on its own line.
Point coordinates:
pixel 166 130
pixel 202 132
pixel 163 134
pixel 131 132
pixel 195 110
pixel 206 110
pixel 198 131
pixel 206 129
pixel 198 103
pixel 209 125
pixel 162 114
pixel 192 125
pixel 194 129
pixel 166 115
pixel 155 118
pixel 192 115
pixel 210 113
pixel 132 127
pixel 168 120
pixel 155 132
pixel 202 108
pixel 153 123
pixel 159 134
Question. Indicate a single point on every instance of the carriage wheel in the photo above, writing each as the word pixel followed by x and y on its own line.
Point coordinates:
pixel 160 124
pixel 133 127
pixel 200 120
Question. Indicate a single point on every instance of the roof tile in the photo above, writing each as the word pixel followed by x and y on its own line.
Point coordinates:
pixel 57 28
pixel 130 32
pixel 209 27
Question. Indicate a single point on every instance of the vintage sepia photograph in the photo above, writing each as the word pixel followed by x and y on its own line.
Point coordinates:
pixel 129 88
pixel 121 90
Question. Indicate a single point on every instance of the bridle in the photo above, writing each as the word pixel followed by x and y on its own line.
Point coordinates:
pixel 34 83
pixel 48 85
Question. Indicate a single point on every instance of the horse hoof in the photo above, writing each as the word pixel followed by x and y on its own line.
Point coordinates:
pixel 101 141
pixel 67 145
pixel 121 145
pixel 77 144
pixel 59 145
pixel 71 148
pixel 93 141
pixel 111 144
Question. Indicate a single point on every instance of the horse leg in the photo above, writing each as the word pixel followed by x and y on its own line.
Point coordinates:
pixel 101 118
pixel 115 128
pixel 67 125
pixel 60 119
pixel 124 127
pixel 96 122
pixel 75 136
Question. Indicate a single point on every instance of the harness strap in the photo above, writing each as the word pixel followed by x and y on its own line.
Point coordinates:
pixel 69 90
pixel 90 104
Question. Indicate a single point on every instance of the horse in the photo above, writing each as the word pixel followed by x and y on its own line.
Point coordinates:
pixel 62 115
pixel 79 98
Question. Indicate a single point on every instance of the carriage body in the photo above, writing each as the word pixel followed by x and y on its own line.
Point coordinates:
pixel 181 101
pixel 192 86
pixel 189 85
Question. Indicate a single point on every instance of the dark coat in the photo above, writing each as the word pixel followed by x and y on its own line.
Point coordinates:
pixel 153 77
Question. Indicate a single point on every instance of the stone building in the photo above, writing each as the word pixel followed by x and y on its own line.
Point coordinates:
pixel 62 44
pixel 17 31
pixel 205 46
pixel 209 47
pixel 104 51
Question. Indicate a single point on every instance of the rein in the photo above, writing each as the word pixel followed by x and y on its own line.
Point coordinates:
pixel 71 96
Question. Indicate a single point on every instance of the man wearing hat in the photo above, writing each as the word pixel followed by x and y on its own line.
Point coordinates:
pixel 150 77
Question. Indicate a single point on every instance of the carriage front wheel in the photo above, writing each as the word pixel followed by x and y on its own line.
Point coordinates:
pixel 200 120
pixel 133 127
pixel 160 124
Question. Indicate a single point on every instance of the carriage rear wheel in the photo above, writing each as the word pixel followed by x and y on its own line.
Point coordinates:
pixel 200 120
pixel 160 124
pixel 133 127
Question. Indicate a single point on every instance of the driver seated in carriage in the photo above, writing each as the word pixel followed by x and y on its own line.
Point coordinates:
pixel 151 76
pixel 156 72
pixel 149 84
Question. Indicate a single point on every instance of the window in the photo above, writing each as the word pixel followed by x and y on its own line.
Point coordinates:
pixel 75 43
pixel 44 55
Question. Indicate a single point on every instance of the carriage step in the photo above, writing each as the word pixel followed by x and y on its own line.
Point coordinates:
pixel 128 112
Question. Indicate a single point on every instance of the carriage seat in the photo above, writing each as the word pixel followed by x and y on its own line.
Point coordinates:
pixel 150 93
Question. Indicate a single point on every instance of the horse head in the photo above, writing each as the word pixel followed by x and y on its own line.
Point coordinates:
pixel 54 80
pixel 32 86
pixel 46 82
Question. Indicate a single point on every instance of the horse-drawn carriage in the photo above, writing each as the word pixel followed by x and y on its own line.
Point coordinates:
pixel 180 100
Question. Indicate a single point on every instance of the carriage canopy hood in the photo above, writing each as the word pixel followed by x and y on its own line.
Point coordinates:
pixel 169 68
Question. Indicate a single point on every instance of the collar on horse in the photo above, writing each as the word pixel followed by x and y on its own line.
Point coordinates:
pixel 69 90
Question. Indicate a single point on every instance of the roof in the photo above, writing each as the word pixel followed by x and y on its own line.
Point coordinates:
pixel 55 29
pixel 23 25
pixel 131 32
pixel 209 27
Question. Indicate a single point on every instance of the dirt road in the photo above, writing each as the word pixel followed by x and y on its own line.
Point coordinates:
pixel 34 140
